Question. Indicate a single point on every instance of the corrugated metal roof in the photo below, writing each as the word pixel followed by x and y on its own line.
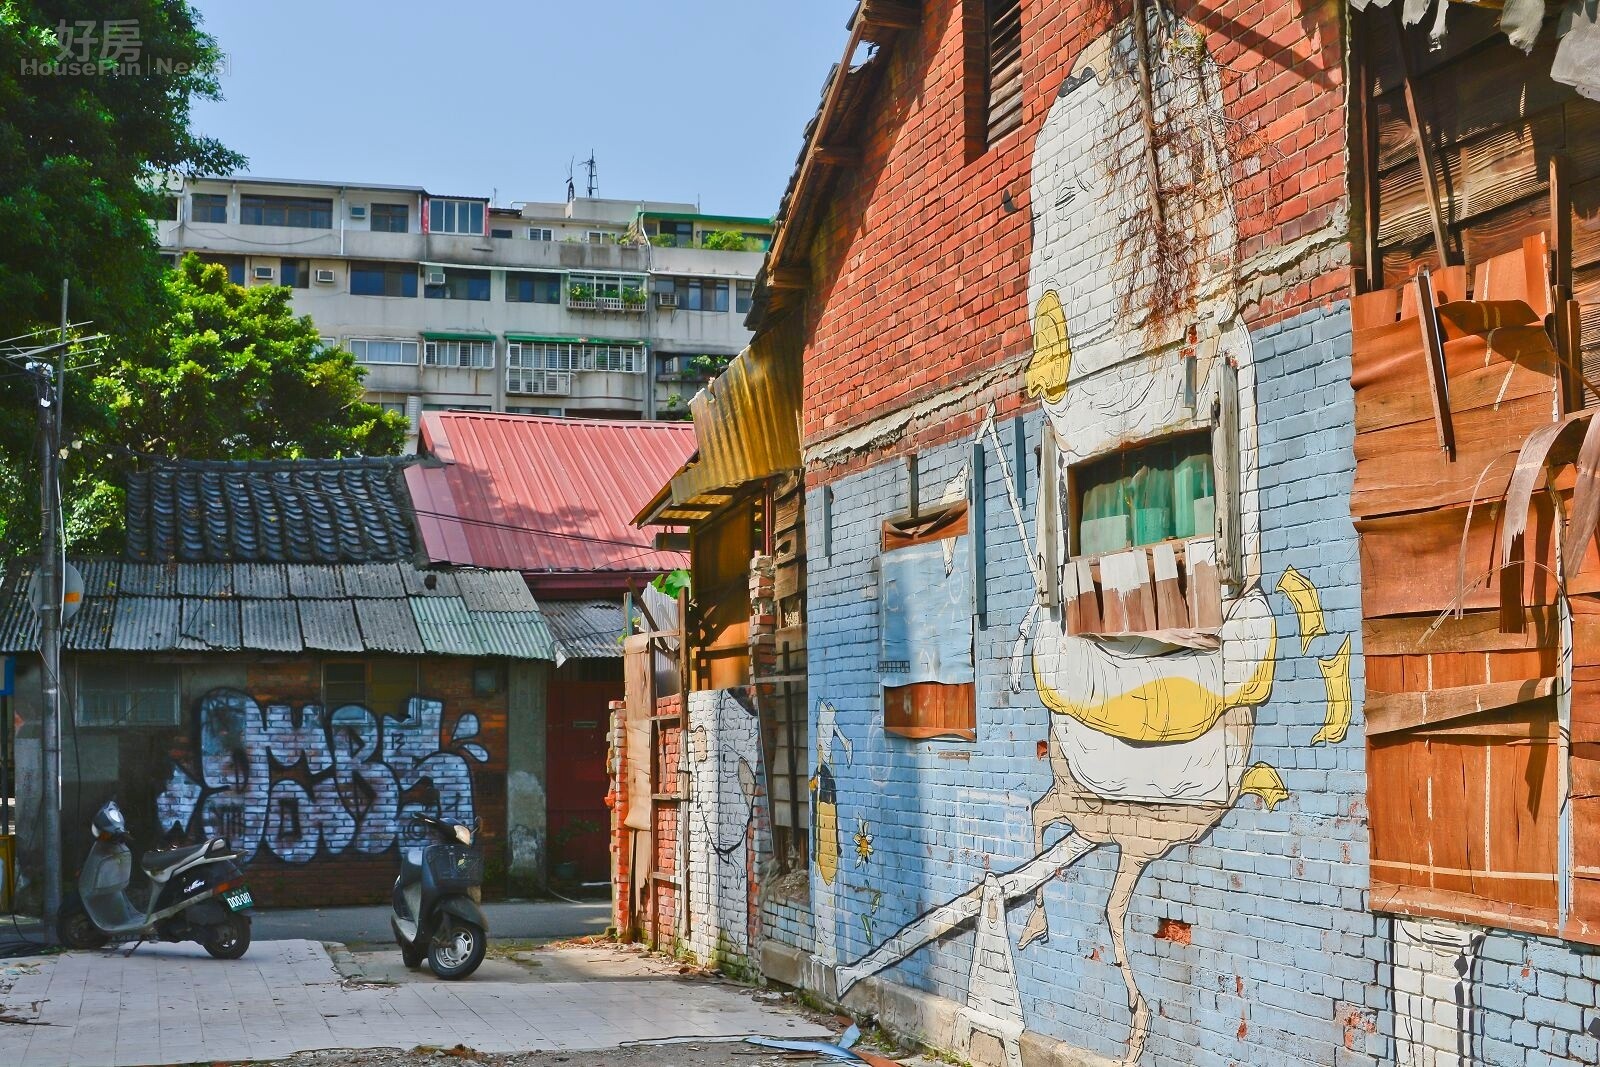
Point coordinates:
pixel 307 511
pixel 533 494
pixel 146 624
pixel 329 625
pixel 585 629
pixel 388 626
pixel 270 625
pixel 445 625
pixel 746 420
pixel 259 611
pixel 149 579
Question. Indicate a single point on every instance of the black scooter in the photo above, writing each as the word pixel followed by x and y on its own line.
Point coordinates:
pixel 194 894
pixel 435 914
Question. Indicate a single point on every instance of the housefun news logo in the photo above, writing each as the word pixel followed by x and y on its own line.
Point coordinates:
pixel 108 48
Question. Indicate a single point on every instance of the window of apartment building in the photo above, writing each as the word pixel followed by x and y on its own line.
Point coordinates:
pixel 384 350
pixel 574 355
pixel 383 279
pixel 455 216
pixel 992 70
pixel 758 242
pixel 696 294
pixel 596 237
pixel 457 407
pixel 682 233
pixel 925 661
pixel 309 212
pixel 500 234
pixel 744 292
pixel 129 693
pixel 452 352
pixel 235 265
pixel 295 273
pixel 383 686
pixel 541 233
pixel 164 208
pixel 208 207
pixel 459 285
pixel 389 218
pixel 524 288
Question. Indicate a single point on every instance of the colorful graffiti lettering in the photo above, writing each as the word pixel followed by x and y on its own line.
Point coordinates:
pixel 300 783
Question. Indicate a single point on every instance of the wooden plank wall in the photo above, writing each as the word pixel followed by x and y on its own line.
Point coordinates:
pixel 1494 119
pixel 1463 749
pixel 782 702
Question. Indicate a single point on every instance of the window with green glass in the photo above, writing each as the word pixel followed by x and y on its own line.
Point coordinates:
pixel 1157 492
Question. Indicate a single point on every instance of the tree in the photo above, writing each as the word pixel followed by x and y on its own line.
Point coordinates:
pixel 236 375
pixel 80 151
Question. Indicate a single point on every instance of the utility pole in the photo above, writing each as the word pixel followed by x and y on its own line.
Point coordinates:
pixel 50 398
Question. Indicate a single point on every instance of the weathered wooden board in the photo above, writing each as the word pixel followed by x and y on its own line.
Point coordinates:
pixel 1402 468
pixel 1389 713
pixel 1475 631
pixel 1391 392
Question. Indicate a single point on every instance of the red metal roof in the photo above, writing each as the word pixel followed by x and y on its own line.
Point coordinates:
pixel 543 495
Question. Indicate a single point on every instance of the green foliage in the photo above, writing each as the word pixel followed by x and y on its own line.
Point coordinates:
pixel 709 365
pixel 664 240
pixel 580 293
pixel 237 375
pixel 633 295
pixel 671 583
pixel 79 155
pixel 725 241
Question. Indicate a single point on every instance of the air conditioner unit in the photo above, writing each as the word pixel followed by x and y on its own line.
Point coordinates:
pixel 261 274
pixel 666 300
pixel 323 276
pixel 435 277
pixel 358 211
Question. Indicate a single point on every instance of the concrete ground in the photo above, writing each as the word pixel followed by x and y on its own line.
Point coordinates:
pixel 171 1004
pixel 525 920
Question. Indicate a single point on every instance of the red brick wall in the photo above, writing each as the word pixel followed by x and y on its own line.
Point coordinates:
pixel 920 275
pixel 349 875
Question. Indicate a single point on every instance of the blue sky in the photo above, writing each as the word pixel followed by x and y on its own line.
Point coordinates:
pixel 688 100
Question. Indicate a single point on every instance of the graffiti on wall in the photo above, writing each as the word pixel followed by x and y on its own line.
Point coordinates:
pixel 724 761
pixel 1138 335
pixel 303 782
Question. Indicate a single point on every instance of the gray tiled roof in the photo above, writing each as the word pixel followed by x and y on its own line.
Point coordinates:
pixel 268 607
pixel 279 511
pixel 585 629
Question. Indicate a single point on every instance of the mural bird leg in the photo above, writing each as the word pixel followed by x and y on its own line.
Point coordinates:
pixel 1047 811
pixel 1129 867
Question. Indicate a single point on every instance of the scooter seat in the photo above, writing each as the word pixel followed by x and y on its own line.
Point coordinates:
pixel 166 859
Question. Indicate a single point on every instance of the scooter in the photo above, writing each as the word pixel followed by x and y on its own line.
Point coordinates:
pixel 195 893
pixel 435 914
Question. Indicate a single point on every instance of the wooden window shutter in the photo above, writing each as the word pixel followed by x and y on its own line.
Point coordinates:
pixel 1005 66
pixel 1225 463
pixel 1050 518
pixel 928 709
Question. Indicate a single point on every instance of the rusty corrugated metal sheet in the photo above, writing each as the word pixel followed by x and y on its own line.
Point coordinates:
pixel 746 422
pixel 543 495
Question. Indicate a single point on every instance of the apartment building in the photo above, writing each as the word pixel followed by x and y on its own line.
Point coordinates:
pixel 589 308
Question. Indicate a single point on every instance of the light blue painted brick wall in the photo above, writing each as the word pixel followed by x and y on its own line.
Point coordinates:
pixel 1283 964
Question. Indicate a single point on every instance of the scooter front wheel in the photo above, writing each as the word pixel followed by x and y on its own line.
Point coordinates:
pixel 74 928
pixel 230 940
pixel 456 949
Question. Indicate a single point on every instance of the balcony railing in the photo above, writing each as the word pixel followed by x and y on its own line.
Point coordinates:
pixel 538 382
pixel 578 301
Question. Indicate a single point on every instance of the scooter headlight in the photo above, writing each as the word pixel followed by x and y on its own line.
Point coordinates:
pixel 463 834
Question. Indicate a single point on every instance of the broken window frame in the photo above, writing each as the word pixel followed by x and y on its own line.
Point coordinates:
pixel 923 711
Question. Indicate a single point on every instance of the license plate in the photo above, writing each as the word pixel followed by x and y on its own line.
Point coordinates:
pixel 238 899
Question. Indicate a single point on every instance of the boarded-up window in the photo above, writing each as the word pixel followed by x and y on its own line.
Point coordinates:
pixel 925 619
pixel 1143 537
pixel 993 70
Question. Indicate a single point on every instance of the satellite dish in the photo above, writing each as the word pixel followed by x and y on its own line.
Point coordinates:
pixel 71 593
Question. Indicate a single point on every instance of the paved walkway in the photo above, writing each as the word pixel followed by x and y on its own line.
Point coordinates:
pixel 172 1004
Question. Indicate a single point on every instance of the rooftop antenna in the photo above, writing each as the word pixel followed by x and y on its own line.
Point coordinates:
pixel 594 174
pixel 572 189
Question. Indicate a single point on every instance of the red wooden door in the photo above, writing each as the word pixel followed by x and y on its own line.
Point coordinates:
pixel 576 766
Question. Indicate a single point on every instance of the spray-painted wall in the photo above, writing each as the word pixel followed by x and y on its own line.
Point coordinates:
pixel 317 797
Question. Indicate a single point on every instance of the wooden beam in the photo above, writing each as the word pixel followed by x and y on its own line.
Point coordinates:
pixel 795 277
pixel 1364 121
pixel 1425 160
pixel 838 155
pixel 672 542
pixel 1433 353
pixel 1568 331
pixel 879 19
pixel 1389 713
